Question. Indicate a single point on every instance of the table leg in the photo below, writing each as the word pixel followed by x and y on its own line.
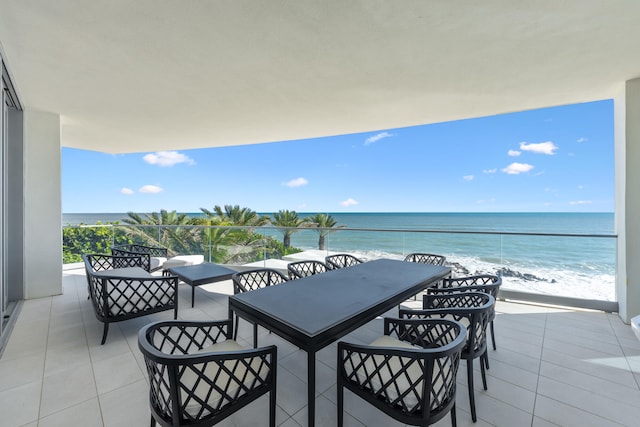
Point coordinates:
pixel 311 387
pixel 193 295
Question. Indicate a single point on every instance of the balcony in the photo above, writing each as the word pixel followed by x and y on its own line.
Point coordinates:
pixel 553 366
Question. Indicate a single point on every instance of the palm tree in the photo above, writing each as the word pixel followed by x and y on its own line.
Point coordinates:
pixel 237 215
pixel 176 239
pixel 286 222
pixel 238 238
pixel 323 222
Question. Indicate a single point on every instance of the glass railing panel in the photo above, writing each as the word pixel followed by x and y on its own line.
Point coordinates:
pixel 577 266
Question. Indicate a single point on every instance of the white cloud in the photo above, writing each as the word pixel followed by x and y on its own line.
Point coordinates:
pixel 582 139
pixel 377 137
pixel 349 202
pixel 580 187
pixel 514 153
pixel 494 170
pixel 468 177
pixel 297 182
pixel 167 158
pixel 152 189
pixel 580 202
pixel 517 168
pixel 126 191
pixel 540 148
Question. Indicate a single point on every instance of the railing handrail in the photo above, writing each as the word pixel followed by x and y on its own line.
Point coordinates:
pixel 334 229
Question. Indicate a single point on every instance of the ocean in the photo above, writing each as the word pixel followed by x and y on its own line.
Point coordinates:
pixel 561 262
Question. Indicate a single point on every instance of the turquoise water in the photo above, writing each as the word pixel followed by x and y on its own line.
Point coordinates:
pixel 566 265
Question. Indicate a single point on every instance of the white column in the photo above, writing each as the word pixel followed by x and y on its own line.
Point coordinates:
pixel 627 197
pixel 43 205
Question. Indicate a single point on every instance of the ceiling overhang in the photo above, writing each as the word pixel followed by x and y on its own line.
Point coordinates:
pixel 156 75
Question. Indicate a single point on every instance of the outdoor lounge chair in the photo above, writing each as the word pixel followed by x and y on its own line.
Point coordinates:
pixel 336 261
pixel 472 309
pixel 410 376
pixel 122 293
pixel 198 375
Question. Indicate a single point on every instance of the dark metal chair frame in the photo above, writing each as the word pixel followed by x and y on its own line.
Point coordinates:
pixel 250 280
pixel 472 309
pixel 487 283
pixel 413 401
pixel 336 261
pixel 146 252
pixel 116 298
pixel 176 350
pixel 425 258
pixel 300 269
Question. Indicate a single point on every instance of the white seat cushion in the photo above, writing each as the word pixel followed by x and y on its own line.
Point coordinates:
pixel 156 262
pixel 130 272
pixel 181 260
pixel 413 373
pixel 213 372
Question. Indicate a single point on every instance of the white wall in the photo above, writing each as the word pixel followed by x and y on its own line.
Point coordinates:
pixel 43 205
pixel 627 197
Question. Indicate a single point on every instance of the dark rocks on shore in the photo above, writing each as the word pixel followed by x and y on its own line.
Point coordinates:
pixel 460 270
pixel 507 272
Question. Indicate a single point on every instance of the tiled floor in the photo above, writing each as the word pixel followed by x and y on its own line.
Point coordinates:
pixel 552 367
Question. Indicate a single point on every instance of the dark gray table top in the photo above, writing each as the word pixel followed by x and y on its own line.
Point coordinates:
pixel 202 273
pixel 315 304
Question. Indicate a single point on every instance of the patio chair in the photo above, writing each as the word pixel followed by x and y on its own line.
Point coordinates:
pixel 198 375
pixel 471 309
pixel 251 280
pixel 487 283
pixel 126 292
pixel 300 269
pixel 426 258
pixel 102 262
pixel 152 256
pixel 337 261
pixel 410 376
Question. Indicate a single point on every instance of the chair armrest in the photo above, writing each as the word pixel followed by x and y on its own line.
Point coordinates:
pixel 184 337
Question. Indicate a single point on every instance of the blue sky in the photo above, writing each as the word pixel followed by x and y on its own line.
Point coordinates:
pixel 551 160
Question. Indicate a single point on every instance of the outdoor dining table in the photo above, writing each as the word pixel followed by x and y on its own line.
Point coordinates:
pixel 315 311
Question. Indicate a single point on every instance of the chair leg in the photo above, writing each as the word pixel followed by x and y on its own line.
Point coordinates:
pixel 486 360
pixel 493 337
pixel 272 408
pixel 235 328
pixel 105 331
pixel 153 421
pixel 255 335
pixel 472 398
pixel 454 421
pixel 482 370
pixel 340 405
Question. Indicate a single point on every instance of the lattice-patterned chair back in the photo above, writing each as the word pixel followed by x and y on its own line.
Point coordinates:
pixel 198 376
pixel 300 269
pixel 337 261
pixel 426 258
pixel 409 373
pixel 250 280
pixel 487 283
pixel 473 310
pixel 146 252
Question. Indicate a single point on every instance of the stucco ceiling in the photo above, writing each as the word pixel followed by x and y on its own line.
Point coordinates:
pixel 149 75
